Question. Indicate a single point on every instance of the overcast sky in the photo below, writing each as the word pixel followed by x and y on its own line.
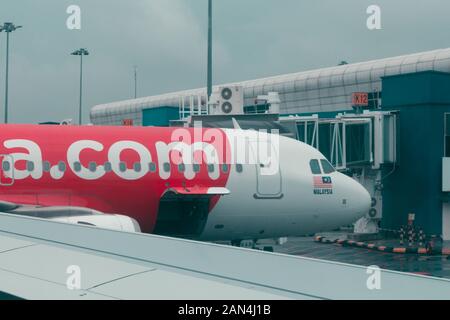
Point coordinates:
pixel 166 39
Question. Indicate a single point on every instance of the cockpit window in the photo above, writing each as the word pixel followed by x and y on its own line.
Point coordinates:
pixel 327 167
pixel 315 167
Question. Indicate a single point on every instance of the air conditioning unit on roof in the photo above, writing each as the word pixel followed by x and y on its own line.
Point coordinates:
pixel 228 100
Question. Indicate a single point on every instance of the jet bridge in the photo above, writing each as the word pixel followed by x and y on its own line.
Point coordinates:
pixel 358 144
pixel 349 140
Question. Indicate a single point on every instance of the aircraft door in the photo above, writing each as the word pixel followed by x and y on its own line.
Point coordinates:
pixel 6 170
pixel 268 172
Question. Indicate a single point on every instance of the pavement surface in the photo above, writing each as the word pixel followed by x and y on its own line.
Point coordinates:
pixel 437 266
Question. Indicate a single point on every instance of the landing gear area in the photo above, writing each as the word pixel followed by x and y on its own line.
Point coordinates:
pixel 182 216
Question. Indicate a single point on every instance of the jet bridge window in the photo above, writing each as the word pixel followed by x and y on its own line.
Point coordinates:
pixel 327 167
pixel 315 167
pixel 447 135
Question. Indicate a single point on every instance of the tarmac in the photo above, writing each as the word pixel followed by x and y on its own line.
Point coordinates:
pixel 423 264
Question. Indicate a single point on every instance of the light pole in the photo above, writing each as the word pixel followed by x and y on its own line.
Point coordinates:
pixel 209 85
pixel 7 27
pixel 80 52
pixel 135 82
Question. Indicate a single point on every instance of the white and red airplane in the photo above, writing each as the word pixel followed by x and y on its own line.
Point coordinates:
pixel 207 184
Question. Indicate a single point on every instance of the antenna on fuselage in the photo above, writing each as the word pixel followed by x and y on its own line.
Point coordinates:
pixel 236 124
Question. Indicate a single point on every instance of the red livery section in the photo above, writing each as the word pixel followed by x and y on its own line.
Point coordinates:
pixel 131 171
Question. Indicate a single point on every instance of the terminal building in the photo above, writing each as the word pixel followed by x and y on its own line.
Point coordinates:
pixel 385 122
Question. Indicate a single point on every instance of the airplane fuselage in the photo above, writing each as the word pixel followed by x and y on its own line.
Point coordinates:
pixel 207 184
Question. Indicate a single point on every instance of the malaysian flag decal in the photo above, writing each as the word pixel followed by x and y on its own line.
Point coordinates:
pixel 322 182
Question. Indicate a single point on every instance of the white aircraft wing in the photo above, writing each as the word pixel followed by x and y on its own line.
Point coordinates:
pixel 36 256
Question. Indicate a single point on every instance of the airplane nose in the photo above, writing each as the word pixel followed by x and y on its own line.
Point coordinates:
pixel 361 200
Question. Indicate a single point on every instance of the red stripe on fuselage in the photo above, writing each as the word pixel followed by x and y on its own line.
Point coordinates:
pixel 111 194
